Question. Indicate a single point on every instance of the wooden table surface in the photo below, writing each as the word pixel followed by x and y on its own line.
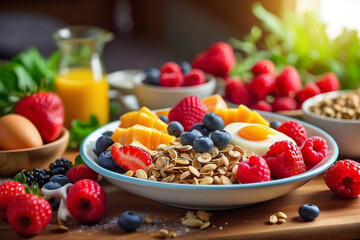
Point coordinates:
pixel 339 218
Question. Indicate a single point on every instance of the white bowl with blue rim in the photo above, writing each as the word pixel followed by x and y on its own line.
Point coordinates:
pixel 210 197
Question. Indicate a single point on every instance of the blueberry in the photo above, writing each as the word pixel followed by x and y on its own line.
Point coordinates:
pixel 152 76
pixel 106 161
pixel 275 124
pixel 61 179
pixel 221 138
pixel 108 133
pixel 130 221
pixel 185 67
pixel 102 143
pixel 203 144
pixel 175 128
pixel 52 185
pixel 164 118
pixel 199 126
pixel 213 122
pixel 309 212
pixel 187 138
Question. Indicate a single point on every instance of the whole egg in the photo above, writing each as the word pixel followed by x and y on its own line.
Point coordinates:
pixel 256 138
pixel 18 132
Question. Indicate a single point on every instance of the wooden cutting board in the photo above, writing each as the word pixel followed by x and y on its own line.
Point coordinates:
pixel 339 218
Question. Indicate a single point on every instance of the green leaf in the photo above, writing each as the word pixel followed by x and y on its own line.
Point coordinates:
pixel 81 129
pixel 271 22
pixel 20 177
pixel 79 160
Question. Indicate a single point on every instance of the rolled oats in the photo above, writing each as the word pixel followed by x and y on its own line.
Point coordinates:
pixel 176 163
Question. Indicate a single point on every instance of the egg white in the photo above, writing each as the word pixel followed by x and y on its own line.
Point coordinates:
pixel 257 147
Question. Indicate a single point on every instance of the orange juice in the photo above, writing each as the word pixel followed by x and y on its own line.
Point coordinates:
pixel 83 95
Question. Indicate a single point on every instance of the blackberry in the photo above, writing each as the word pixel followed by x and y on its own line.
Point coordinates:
pixel 38 176
pixel 60 166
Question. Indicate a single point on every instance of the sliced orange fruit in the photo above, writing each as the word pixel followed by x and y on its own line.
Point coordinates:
pixel 149 137
pixel 215 101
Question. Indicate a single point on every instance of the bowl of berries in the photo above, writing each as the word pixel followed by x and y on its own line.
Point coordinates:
pixel 164 87
pixel 205 160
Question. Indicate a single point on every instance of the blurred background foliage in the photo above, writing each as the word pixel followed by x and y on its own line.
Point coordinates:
pixel 300 41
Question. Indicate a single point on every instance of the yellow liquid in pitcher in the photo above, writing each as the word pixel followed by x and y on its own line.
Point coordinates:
pixel 83 96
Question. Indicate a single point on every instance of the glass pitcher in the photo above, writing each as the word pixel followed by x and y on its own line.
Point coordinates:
pixel 81 79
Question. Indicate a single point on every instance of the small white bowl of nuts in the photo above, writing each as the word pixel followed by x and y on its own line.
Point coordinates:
pixel 337 113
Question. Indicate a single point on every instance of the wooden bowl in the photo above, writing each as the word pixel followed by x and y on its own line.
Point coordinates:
pixel 13 161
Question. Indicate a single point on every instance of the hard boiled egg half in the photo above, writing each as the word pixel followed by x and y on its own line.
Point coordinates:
pixel 253 137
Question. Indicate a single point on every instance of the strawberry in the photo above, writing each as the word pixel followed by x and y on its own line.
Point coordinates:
pixel 28 214
pixel 261 85
pixel 194 77
pixel 284 104
pixel 328 82
pixel 46 111
pixel 131 157
pixel 86 201
pixel 217 60
pixel 80 172
pixel 231 84
pixel 189 111
pixel 263 66
pixel 242 95
pixel 310 90
pixel 8 190
pixel 288 82
pixel 261 105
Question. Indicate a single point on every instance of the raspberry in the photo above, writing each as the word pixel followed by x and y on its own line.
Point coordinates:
pixel 343 178
pixel 288 82
pixel 86 201
pixel 28 214
pixel 295 130
pixel 262 105
pixel 328 82
pixel 217 60
pixel 171 79
pixel 230 85
pixel 255 169
pixel 310 90
pixel 241 95
pixel 284 104
pixel 194 77
pixel 80 172
pixel 284 159
pixel 8 190
pixel 314 150
pixel 188 111
pixel 170 67
pixel 263 66
pixel 261 85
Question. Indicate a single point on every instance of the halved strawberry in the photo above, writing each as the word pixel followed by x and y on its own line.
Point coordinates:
pixel 131 157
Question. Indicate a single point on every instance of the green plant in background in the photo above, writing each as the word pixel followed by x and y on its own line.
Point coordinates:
pixel 25 74
pixel 300 41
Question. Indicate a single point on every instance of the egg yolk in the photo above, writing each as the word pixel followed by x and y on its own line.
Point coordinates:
pixel 256 133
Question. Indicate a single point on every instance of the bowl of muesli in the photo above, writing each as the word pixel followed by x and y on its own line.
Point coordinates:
pixel 224 192
pixel 337 113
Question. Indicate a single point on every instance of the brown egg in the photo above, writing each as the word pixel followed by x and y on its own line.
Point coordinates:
pixel 17 132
